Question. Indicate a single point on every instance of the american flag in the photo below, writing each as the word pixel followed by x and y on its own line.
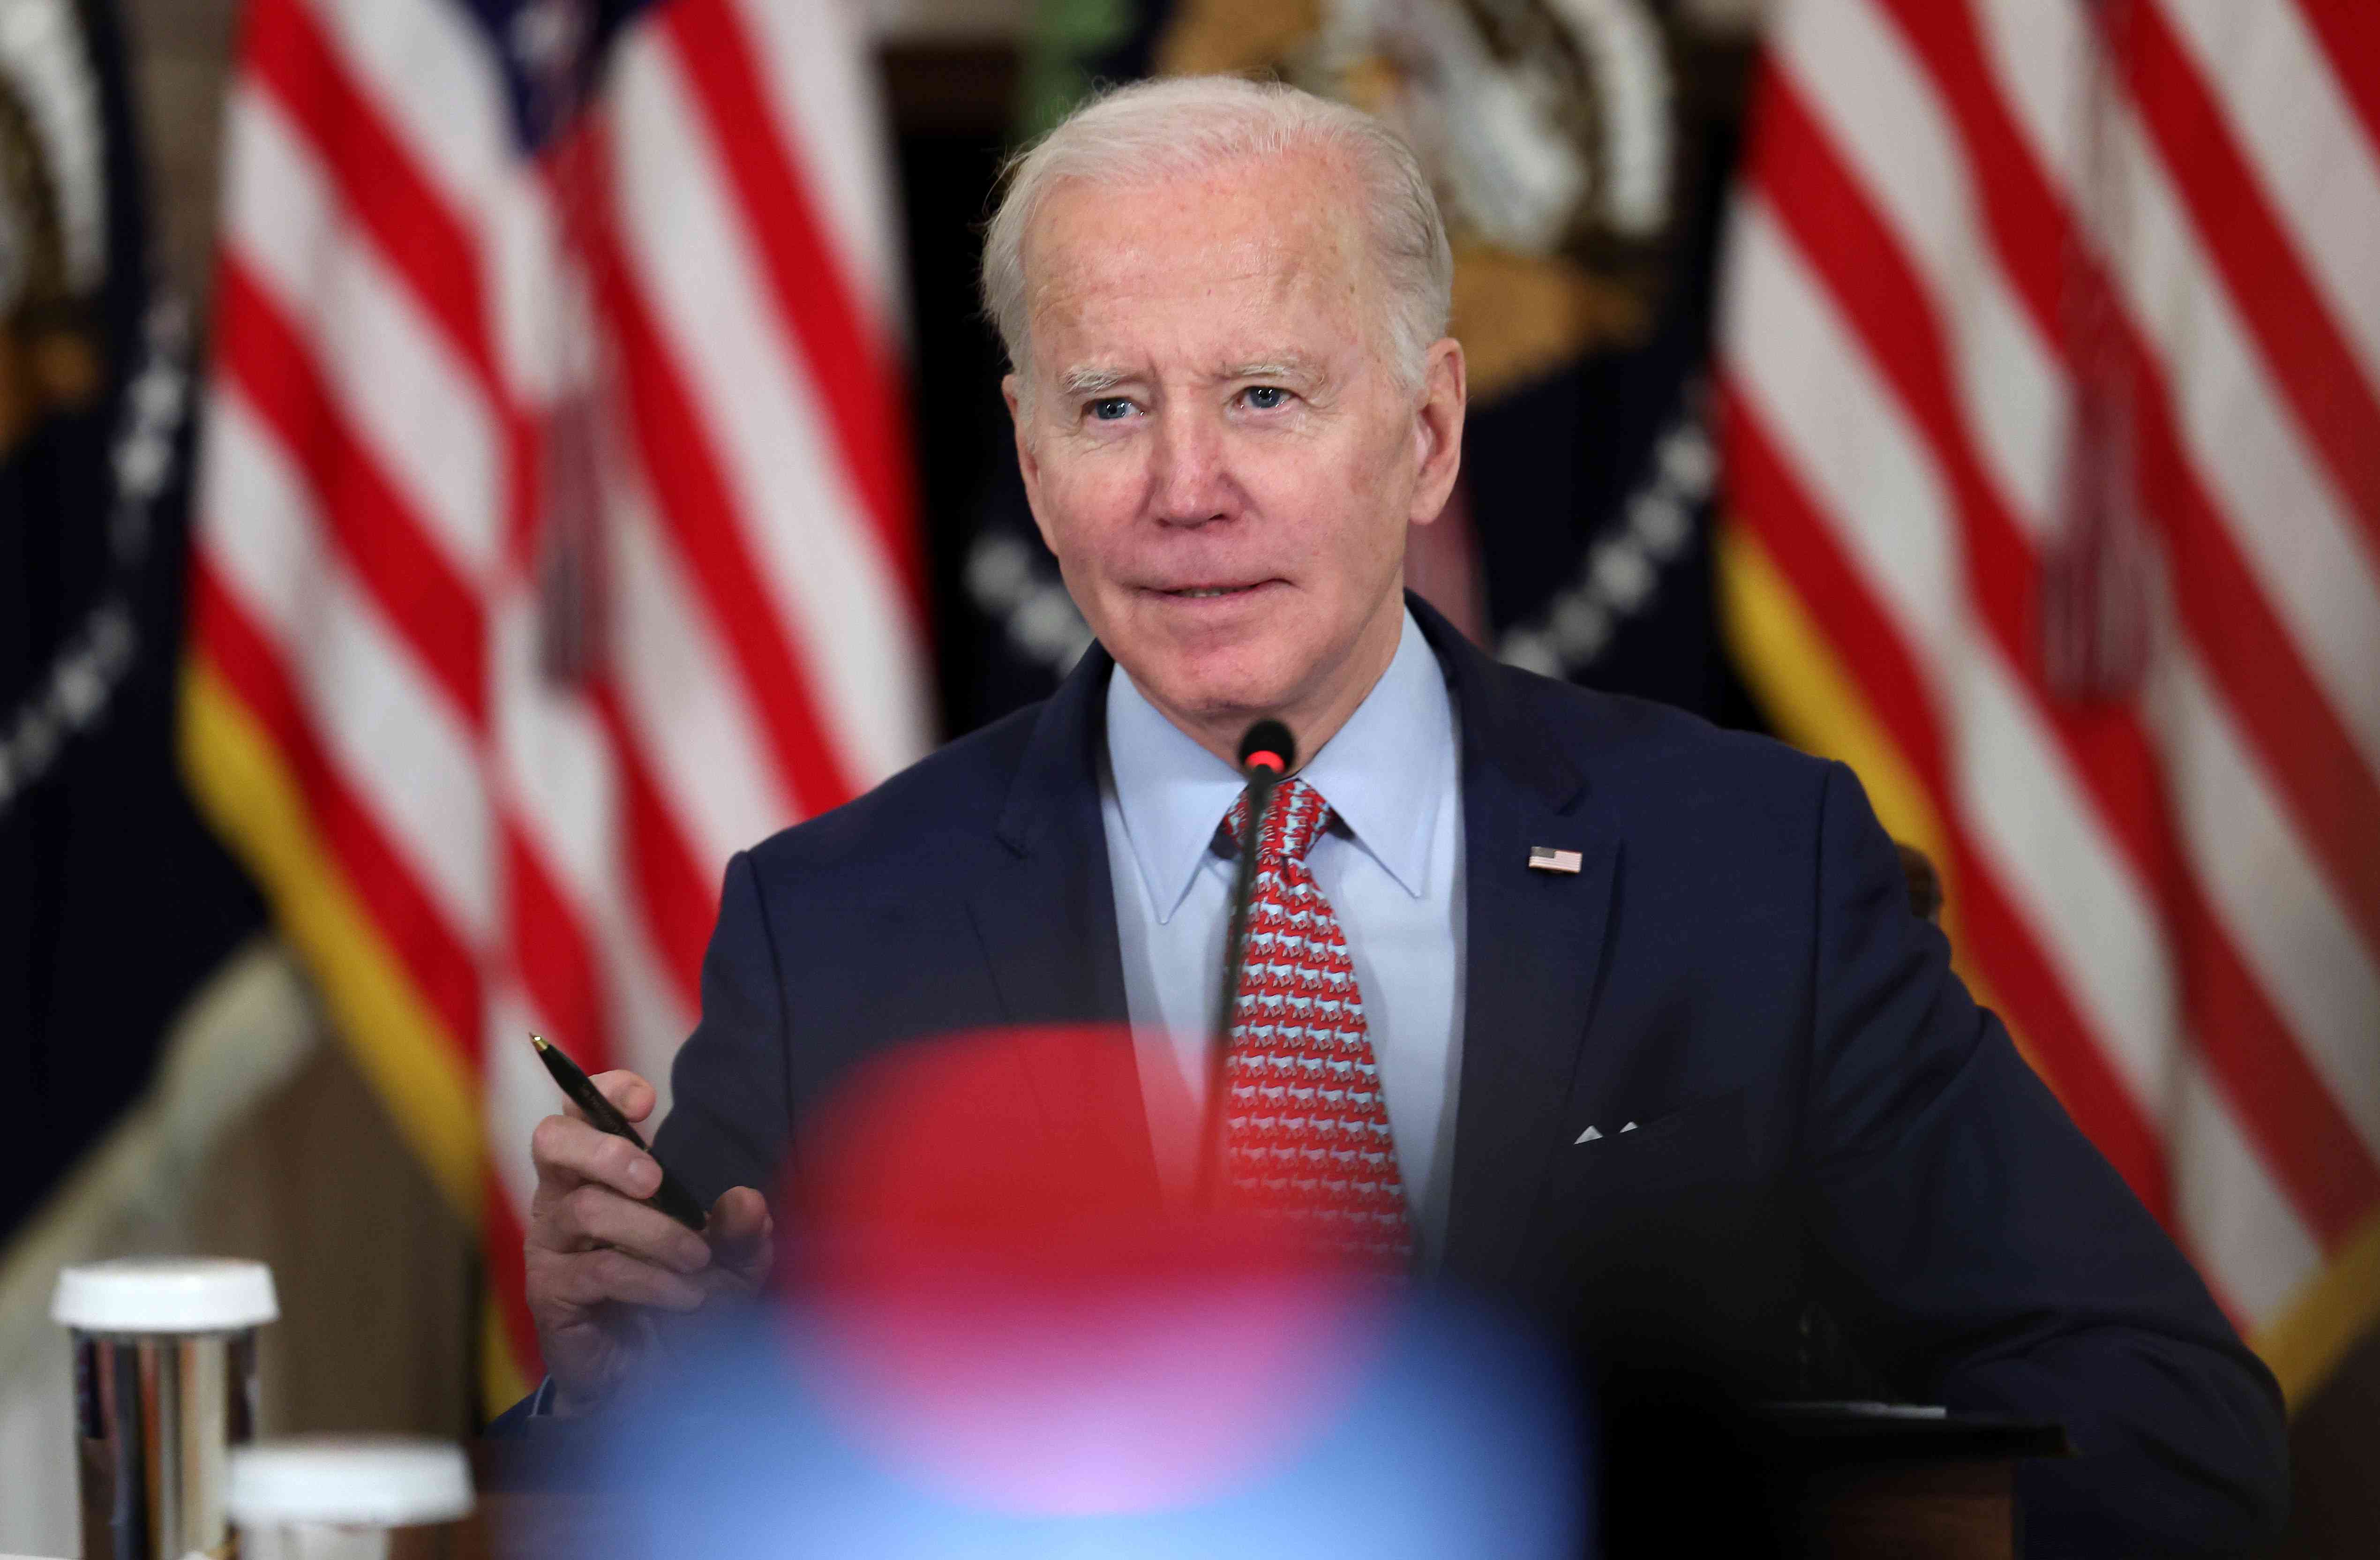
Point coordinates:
pixel 2050 382
pixel 555 534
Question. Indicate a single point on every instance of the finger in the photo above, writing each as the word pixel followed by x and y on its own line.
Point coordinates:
pixel 629 1094
pixel 740 1214
pixel 726 1283
pixel 740 1231
pixel 596 1215
pixel 566 1152
pixel 592 1279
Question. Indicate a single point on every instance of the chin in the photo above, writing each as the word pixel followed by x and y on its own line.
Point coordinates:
pixel 1220 687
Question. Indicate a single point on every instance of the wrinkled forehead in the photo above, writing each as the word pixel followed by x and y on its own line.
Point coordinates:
pixel 1256 243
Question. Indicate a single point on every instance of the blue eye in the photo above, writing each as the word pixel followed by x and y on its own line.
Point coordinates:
pixel 1265 397
pixel 1110 408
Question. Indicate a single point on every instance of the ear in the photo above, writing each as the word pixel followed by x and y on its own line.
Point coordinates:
pixel 1438 429
pixel 1028 464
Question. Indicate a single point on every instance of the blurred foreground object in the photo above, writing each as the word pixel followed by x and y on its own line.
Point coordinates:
pixel 2050 394
pixel 556 537
pixel 786 1438
pixel 365 1497
pixel 995 1339
pixel 165 1387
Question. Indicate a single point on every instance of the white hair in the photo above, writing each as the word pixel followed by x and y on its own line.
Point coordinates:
pixel 1151 132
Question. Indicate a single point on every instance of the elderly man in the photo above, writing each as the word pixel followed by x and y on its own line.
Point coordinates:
pixel 1662 1053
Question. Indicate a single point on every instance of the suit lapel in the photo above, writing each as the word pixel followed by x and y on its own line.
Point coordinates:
pixel 1047 926
pixel 1536 947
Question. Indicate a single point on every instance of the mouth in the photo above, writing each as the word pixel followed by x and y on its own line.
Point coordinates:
pixel 1209 592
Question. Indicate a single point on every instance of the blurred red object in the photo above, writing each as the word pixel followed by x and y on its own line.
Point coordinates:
pixel 1014 1311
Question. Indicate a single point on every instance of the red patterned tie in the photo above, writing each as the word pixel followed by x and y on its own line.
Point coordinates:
pixel 1307 1137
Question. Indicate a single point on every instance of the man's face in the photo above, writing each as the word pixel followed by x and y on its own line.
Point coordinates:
pixel 1216 445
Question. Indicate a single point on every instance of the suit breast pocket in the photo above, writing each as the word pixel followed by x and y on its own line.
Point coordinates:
pixel 1700 1142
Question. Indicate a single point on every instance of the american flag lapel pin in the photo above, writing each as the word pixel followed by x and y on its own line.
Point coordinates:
pixel 1545 858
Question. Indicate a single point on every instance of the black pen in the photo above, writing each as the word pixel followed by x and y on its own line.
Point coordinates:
pixel 670 1198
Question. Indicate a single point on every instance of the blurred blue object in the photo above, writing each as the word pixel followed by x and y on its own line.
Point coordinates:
pixel 1448 1435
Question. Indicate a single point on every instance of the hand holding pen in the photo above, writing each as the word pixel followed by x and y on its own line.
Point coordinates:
pixel 611 1238
pixel 597 1112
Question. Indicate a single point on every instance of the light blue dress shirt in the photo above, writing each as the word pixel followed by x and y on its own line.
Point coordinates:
pixel 1391 867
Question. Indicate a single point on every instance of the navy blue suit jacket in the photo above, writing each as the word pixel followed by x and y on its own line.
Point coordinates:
pixel 1824 1113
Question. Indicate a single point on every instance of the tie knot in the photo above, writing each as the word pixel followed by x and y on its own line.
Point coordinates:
pixel 1296 819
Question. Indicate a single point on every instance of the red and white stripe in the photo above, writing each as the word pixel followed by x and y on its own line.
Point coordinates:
pixel 403 295
pixel 2174 896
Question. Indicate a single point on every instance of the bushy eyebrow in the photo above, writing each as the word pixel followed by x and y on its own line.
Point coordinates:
pixel 1271 368
pixel 1089 379
pixel 1090 382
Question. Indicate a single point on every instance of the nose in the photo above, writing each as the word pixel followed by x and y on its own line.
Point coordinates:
pixel 1191 479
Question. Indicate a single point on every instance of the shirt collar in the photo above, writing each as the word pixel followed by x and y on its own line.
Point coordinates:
pixel 1173 792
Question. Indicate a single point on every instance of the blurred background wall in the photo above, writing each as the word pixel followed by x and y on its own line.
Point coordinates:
pixel 212 1063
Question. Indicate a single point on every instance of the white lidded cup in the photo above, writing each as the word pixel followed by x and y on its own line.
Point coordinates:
pixel 349 1497
pixel 164 1372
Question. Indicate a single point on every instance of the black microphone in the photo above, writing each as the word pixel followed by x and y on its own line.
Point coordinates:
pixel 1267 753
pixel 1268 747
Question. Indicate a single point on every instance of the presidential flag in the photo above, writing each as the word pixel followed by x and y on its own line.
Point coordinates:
pixel 2050 390
pixel 555 536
